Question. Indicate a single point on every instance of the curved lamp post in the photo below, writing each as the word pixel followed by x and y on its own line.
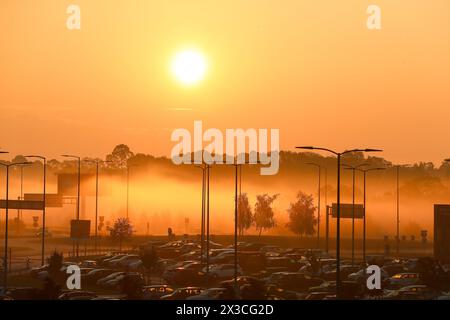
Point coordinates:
pixel 338 200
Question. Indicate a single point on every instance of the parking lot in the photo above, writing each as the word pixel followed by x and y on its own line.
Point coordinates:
pixel 175 270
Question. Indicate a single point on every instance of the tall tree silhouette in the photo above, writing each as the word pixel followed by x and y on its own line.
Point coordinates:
pixel 301 215
pixel 121 230
pixel 264 215
pixel 120 156
pixel 245 217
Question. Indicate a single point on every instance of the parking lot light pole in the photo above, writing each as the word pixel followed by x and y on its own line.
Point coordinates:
pixel 208 167
pixel 338 200
pixel 353 168
pixel 78 191
pixel 96 162
pixel 5 258
pixel 43 209
pixel 318 202
pixel 202 228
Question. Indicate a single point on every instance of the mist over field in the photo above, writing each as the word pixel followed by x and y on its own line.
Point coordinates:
pixel 163 195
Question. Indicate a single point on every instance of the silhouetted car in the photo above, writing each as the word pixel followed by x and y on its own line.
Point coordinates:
pixel 274 292
pixel 190 274
pixel 414 292
pixel 222 271
pixel 24 293
pixel 183 293
pixel 208 294
pixel 156 291
pixel 349 289
pixel 170 271
pixel 35 271
pixel 94 275
pixel 69 295
pixel 404 279
pixel 293 281
pixel 104 280
pixel 280 264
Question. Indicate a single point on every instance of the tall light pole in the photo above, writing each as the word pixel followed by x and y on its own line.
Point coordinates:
pixel 236 165
pixel 318 202
pixel 364 171
pixel 43 209
pixel 96 162
pixel 202 229
pixel 338 200
pixel 208 167
pixel 353 168
pixel 78 191
pixel 5 259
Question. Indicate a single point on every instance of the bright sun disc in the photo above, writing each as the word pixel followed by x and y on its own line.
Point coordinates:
pixel 189 67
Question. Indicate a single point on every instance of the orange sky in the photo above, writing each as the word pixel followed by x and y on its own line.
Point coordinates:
pixel 310 68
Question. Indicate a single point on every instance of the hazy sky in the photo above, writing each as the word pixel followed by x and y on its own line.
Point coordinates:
pixel 310 68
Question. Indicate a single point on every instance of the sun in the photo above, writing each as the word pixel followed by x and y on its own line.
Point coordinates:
pixel 189 67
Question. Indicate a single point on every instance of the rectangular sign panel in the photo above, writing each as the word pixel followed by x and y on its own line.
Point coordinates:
pixel 347 210
pixel 22 204
pixel 442 232
pixel 52 200
pixel 80 229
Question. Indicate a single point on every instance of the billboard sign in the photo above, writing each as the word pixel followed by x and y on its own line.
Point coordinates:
pixel 52 200
pixel 80 229
pixel 347 210
pixel 22 204
pixel 442 232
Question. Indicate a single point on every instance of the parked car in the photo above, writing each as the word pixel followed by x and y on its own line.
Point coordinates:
pixel 102 281
pixel 183 293
pixel 279 264
pixel 69 295
pixel 124 261
pixel 222 271
pixel 106 261
pixel 208 294
pixel 189 274
pixel 35 271
pixel 23 293
pixel 169 272
pixel 94 275
pixel 361 275
pixel 293 281
pixel 404 279
pixel 415 292
pixel 156 291
pixel 116 282
pixel 88 264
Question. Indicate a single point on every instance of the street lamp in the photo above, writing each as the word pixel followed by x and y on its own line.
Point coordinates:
pixel 202 229
pixel 364 171
pixel 237 167
pixel 43 208
pixel 78 190
pixel 5 259
pixel 96 162
pixel 338 200
pixel 319 167
pixel 353 168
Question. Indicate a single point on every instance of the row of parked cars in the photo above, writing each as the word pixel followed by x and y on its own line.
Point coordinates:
pixel 264 272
